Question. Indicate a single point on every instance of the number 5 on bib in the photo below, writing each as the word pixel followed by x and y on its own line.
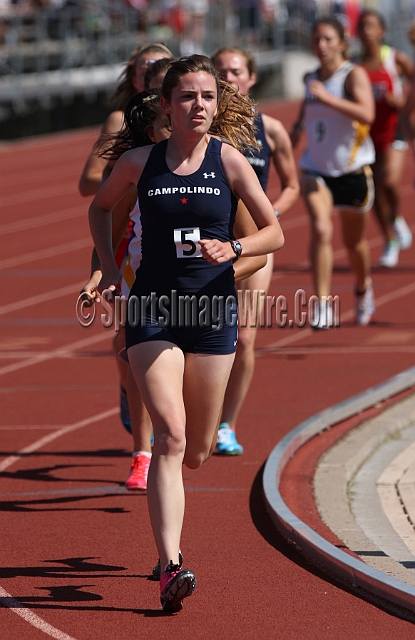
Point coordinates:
pixel 186 241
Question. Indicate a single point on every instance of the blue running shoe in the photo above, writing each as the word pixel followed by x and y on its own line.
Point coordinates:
pixel 227 444
pixel 124 410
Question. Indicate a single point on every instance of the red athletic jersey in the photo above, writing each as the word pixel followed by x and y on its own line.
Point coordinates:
pixel 385 125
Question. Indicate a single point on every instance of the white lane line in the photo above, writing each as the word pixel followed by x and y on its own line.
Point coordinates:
pixel 8 601
pixel 47 218
pixel 276 351
pixel 60 352
pixel 340 253
pixel 49 252
pixel 56 434
pixel 64 352
pixel 347 315
pixel 65 188
pixel 42 297
pixel 336 350
pixel 54 140
pixel 30 427
pixel 5 598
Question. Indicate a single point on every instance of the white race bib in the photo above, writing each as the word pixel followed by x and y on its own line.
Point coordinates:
pixel 186 241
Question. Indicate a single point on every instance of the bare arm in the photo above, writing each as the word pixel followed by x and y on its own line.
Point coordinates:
pixel 405 66
pixel 409 105
pixel 360 106
pixel 298 126
pixel 284 162
pixel 244 226
pixel 120 221
pixel 123 178
pixel 96 169
pixel 244 183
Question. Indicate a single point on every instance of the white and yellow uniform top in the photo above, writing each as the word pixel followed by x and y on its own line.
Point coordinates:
pixel 336 144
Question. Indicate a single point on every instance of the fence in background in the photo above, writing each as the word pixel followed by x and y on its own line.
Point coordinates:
pixel 58 54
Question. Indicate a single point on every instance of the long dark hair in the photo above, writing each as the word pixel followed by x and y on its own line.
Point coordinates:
pixel 139 115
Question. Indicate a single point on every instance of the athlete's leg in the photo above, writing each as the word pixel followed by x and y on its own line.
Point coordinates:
pixel 118 343
pixel 319 203
pixel 353 230
pixel 158 368
pixel 393 170
pixel 205 379
pixel 141 426
pixel 381 205
pixel 243 367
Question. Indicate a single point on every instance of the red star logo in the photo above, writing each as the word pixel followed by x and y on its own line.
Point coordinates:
pixel 183 200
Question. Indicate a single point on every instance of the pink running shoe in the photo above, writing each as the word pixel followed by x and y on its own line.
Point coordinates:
pixel 175 585
pixel 137 480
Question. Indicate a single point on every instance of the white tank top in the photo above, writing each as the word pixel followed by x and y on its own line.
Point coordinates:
pixel 336 144
pixel 134 252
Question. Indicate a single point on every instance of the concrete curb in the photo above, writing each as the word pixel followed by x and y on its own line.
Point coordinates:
pixel 348 490
pixel 302 536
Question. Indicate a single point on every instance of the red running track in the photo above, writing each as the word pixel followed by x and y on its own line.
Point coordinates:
pixel 76 548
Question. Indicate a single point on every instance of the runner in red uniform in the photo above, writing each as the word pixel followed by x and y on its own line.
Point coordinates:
pixel 386 68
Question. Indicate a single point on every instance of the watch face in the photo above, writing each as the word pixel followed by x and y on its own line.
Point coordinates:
pixel 237 247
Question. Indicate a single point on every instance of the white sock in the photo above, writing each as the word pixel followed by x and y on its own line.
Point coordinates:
pixel 144 453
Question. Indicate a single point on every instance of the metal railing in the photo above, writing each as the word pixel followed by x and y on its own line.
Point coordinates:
pixel 95 33
pixel 55 54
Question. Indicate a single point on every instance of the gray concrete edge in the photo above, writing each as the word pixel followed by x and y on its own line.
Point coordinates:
pixel 301 535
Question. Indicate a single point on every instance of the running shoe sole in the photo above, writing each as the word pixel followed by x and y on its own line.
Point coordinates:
pixel 180 587
pixel 229 452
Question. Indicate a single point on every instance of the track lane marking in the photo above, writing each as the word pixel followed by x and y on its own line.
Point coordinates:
pixel 56 434
pixel 40 194
pixel 347 315
pixel 60 352
pixel 49 252
pixel 47 218
pixel 65 351
pixel 42 297
pixel 11 603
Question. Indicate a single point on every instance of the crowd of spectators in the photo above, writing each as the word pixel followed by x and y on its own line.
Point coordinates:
pixel 186 22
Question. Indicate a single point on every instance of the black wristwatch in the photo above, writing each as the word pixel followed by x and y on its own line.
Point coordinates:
pixel 237 247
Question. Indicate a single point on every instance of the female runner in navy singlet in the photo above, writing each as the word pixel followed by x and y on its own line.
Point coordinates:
pixel 188 189
pixel 237 67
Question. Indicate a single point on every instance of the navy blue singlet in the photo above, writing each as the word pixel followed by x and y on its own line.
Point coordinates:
pixel 177 211
pixel 259 160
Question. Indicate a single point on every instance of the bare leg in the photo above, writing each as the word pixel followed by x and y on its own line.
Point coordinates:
pixel 118 343
pixel 171 388
pixel 244 365
pixel 387 174
pixel 158 368
pixel 141 426
pixel 353 230
pixel 205 380
pixel 319 203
